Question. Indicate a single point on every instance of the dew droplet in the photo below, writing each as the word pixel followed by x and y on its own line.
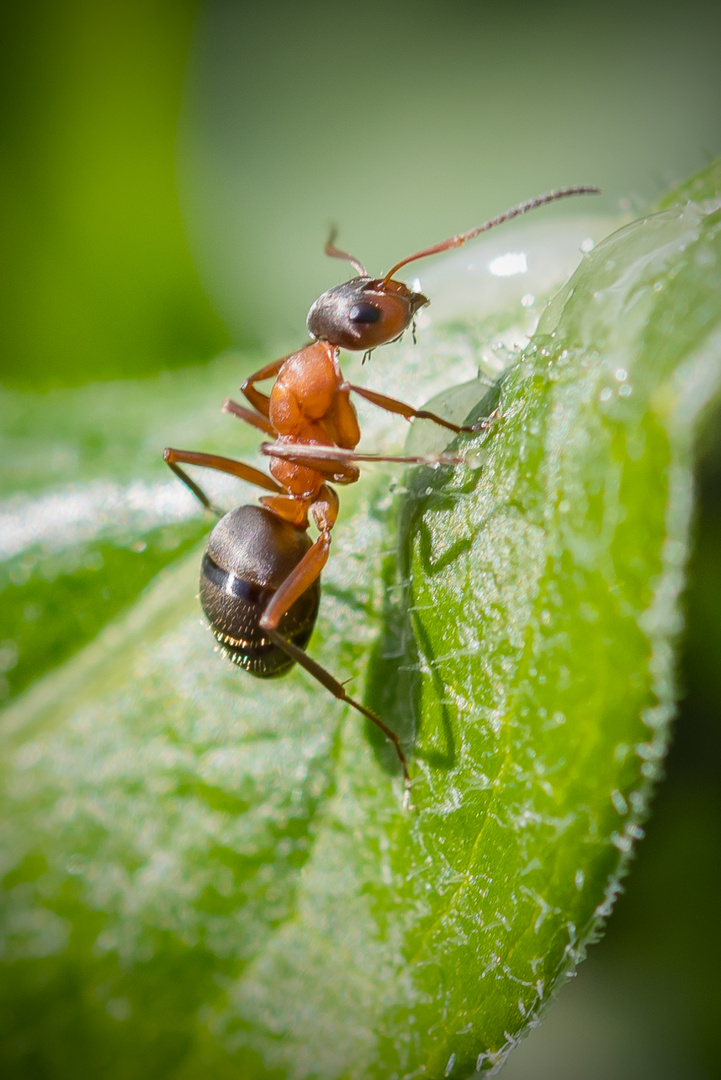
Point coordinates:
pixel 704 257
pixel 622 842
pixel 476 458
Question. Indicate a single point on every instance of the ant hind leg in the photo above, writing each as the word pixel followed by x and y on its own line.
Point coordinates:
pixel 221 464
pixel 299 580
pixel 338 690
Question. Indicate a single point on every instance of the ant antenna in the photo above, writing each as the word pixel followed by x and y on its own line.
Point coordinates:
pixel 516 211
pixel 336 253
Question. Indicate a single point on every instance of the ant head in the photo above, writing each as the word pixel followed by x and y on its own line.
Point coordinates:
pixel 364 312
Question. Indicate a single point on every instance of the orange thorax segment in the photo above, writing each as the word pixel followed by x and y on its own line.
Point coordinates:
pixel 307 403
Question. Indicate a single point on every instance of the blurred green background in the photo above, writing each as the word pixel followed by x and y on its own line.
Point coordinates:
pixel 169 171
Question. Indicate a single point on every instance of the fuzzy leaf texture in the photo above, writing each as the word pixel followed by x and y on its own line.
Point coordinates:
pixel 205 874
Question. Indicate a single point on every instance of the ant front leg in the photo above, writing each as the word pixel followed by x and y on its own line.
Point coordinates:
pixel 220 464
pixel 392 405
pixel 262 401
pixel 308 570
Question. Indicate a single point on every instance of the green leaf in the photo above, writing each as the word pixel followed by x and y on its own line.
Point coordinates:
pixel 207 874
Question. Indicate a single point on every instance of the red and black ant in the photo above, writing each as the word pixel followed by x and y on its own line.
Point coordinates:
pixel 260 577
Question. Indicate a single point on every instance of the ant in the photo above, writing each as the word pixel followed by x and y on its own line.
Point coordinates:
pixel 260 576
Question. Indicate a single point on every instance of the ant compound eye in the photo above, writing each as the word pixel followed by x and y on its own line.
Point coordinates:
pixel 364 313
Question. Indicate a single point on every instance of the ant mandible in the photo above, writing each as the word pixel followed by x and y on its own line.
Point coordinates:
pixel 260 576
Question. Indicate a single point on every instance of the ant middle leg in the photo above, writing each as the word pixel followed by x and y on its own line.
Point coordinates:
pixel 174 458
pixel 394 406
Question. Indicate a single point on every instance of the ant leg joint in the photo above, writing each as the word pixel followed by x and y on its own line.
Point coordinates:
pixel 171 458
pixel 488 421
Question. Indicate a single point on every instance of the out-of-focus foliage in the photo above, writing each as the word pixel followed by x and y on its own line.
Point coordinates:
pixel 97 281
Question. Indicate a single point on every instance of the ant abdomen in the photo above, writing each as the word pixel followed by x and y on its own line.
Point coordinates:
pixel 251 552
